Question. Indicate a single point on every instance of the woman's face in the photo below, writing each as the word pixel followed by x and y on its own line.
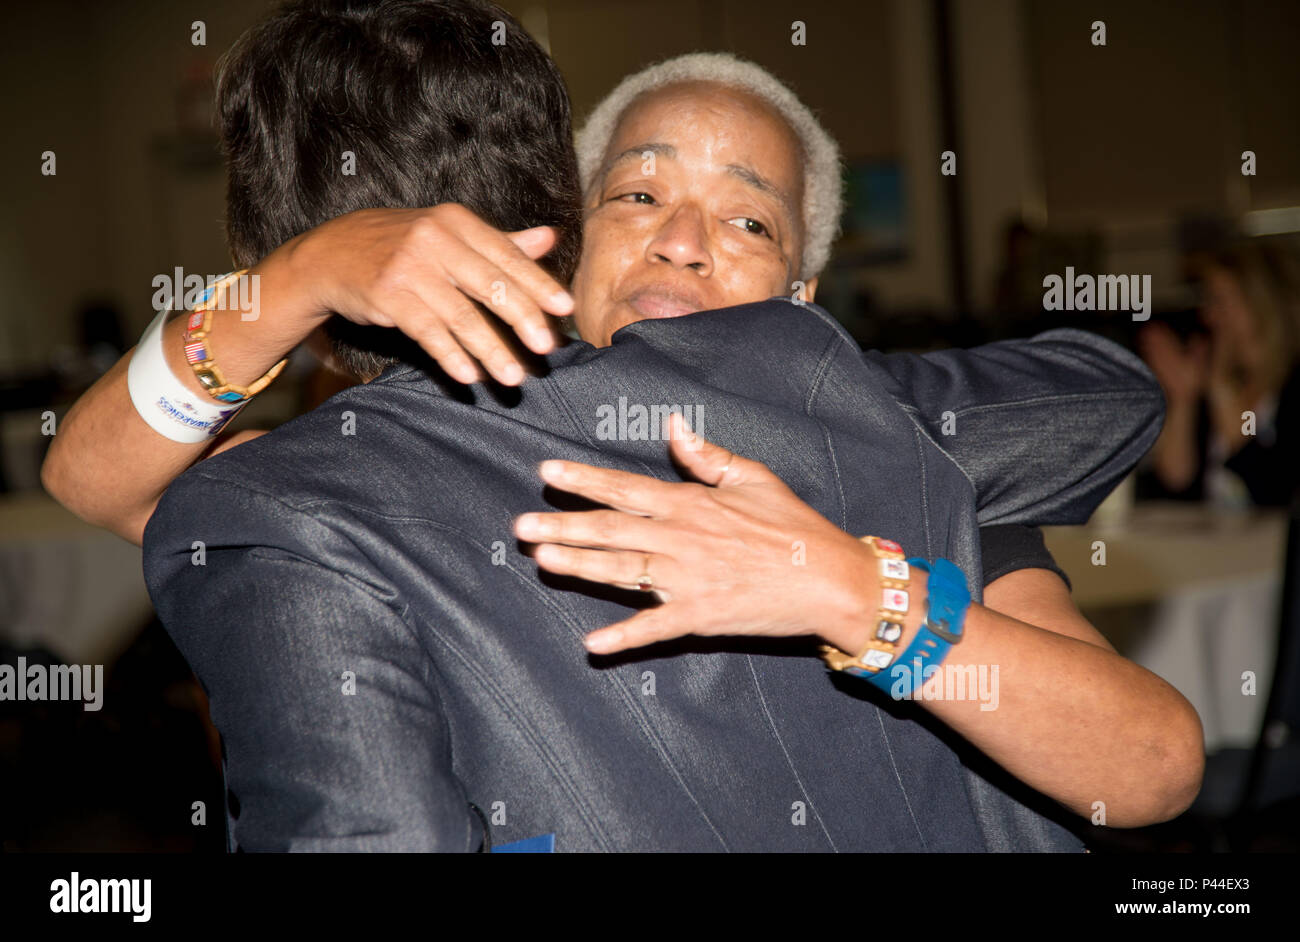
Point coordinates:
pixel 698 206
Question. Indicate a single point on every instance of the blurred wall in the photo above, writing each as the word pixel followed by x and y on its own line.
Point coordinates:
pixel 97 84
pixel 1153 125
pixel 1122 138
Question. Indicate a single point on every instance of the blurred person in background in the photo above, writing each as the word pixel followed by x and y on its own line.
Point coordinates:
pixel 1247 362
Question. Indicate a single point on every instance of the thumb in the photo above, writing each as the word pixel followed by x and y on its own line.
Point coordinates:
pixel 534 242
pixel 709 463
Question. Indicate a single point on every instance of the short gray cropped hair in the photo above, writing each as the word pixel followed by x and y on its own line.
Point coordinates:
pixel 823 199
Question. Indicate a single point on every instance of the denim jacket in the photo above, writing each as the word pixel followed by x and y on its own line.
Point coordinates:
pixel 388 671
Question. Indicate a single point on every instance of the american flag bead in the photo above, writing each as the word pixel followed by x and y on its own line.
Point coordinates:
pixel 894 569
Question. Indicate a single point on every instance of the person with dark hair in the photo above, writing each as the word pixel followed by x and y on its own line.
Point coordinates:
pixel 433 109
pixel 385 664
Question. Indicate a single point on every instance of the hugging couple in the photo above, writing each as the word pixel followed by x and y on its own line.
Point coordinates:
pixel 473 621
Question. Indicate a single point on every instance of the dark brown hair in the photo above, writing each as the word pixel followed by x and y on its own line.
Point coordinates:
pixel 440 101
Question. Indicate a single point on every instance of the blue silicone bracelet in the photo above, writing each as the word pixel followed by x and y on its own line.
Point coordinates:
pixel 947 601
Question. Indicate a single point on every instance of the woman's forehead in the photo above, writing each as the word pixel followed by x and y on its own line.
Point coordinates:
pixel 686 106
pixel 694 119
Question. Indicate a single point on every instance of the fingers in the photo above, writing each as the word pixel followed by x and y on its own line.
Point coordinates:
pixel 646 627
pixel 464 272
pixel 515 254
pixel 503 250
pixel 708 462
pixel 449 328
pixel 611 567
pixel 622 490
pixel 478 277
pixel 414 317
pixel 473 331
pixel 434 339
pixel 520 291
pixel 606 529
pixel 434 309
pixel 534 242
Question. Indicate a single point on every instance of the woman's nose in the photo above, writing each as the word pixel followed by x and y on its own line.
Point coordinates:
pixel 683 242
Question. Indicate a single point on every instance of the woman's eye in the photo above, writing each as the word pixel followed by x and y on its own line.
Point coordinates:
pixel 637 198
pixel 751 225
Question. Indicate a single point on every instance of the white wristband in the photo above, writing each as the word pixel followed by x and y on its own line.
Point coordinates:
pixel 166 403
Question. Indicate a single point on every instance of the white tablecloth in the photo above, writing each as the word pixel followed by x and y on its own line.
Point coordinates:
pixel 1191 594
pixel 1204 639
pixel 66 586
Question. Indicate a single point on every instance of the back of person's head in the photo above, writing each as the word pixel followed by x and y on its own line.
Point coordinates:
pixel 424 101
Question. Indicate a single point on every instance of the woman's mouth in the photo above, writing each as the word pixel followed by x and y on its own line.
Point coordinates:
pixel 661 302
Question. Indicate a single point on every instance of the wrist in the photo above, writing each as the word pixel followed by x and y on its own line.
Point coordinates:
pixel 914 625
pixel 295 288
pixel 235 334
pixel 861 617
pixel 852 637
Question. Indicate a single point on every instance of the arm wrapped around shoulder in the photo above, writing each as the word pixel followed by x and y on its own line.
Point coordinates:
pixel 1044 428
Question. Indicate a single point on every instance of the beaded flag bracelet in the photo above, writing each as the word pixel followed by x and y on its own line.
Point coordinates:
pixel 882 648
pixel 198 327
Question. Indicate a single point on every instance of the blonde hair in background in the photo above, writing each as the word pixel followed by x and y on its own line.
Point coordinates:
pixel 1268 275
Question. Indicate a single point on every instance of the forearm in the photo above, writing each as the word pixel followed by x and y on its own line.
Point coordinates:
pixel 1072 718
pixel 108 466
pixel 1044 695
pixel 1174 456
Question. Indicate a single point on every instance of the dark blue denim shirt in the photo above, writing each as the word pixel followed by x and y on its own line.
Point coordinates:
pixel 380 654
